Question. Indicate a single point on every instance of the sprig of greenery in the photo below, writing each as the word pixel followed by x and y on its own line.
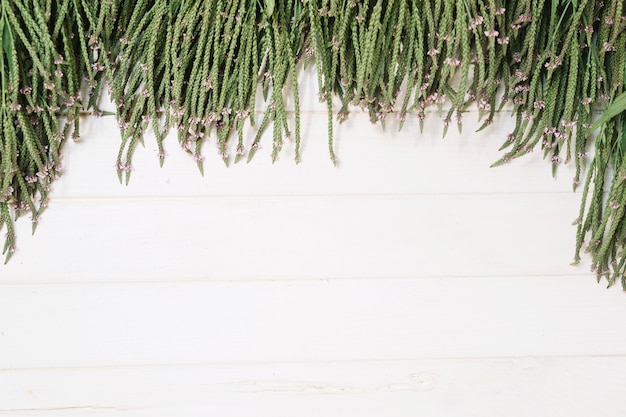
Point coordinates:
pixel 42 64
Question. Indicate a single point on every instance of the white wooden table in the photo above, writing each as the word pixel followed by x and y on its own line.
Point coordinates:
pixel 411 280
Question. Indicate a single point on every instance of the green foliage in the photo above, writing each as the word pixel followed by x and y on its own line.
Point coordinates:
pixel 615 108
pixel 42 65
pixel 196 67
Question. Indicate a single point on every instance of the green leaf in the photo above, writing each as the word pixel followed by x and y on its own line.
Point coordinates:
pixel 617 106
pixel 269 7
pixel 7 44
pixel 623 141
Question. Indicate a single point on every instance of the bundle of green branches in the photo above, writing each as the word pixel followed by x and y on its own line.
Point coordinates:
pixel 195 66
pixel 43 62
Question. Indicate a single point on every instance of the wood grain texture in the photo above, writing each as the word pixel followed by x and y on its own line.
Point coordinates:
pixel 515 387
pixel 312 320
pixel 163 239
pixel 411 280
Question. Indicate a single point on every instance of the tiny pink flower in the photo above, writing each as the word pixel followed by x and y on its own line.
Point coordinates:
pixel 520 75
pixel 453 62
pixel 608 47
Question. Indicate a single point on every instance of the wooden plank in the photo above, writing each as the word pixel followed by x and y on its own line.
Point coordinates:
pixel 312 320
pixel 371 161
pixel 287 238
pixel 520 387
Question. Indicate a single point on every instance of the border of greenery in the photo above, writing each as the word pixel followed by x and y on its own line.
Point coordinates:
pixel 195 66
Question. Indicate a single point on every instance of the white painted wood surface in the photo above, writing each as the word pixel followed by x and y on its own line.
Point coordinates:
pixel 411 280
